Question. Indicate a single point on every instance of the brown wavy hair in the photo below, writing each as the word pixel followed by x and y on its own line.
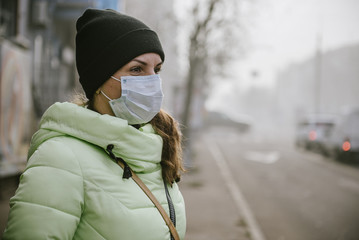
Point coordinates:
pixel 168 128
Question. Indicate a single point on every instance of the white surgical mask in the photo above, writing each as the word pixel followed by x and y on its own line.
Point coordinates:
pixel 141 98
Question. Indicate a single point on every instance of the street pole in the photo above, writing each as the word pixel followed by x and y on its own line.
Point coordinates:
pixel 318 71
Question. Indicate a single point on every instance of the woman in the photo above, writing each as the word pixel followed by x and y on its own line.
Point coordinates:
pixel 72 187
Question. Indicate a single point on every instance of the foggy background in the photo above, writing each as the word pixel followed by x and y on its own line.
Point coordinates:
pixel 265 91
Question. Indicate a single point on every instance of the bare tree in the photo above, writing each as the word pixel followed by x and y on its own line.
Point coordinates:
pixel 214 40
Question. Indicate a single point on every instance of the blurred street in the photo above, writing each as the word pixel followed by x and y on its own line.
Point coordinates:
pixel 292 194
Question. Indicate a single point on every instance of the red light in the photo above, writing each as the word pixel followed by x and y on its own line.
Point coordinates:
pixel 346 146
pixel 312 135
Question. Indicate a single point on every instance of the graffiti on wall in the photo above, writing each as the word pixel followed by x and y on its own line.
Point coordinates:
pixel 17 121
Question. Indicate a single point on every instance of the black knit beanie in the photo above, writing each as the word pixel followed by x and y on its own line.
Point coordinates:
pixel 107 40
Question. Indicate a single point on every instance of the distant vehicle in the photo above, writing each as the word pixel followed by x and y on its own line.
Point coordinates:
pixel 343 143
pixel 313 131
pixel 213 118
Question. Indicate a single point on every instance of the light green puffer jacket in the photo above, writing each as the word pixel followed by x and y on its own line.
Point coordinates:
pixel 71 189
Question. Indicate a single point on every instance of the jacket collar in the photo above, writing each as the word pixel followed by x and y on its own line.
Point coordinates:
pixel 140 148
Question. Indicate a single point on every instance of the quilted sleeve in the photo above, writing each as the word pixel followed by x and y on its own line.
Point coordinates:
pixel 49 200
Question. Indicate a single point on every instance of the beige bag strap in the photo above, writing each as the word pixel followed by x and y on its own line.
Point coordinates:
pixel 151 197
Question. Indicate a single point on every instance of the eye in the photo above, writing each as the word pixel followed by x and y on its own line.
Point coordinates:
pixel 136 69
pixel 157 70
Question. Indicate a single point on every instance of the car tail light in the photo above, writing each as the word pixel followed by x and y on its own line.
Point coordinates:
pixel 346 146
pixel 312 135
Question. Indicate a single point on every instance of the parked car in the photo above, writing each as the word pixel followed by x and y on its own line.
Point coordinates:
pixel 214 118
pixel 343 143
pixel 313 130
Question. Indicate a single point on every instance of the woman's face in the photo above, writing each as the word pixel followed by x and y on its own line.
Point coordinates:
pixel 145 64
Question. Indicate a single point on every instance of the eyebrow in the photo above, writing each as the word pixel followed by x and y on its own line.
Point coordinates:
pixel 144 63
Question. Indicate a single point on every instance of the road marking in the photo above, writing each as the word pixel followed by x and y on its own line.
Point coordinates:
pixel 262 157
pixel 234 190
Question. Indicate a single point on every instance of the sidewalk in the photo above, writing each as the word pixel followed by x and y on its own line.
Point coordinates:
pixel 211 211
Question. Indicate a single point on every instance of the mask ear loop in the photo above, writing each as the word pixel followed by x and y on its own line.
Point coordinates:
pixel 114 78
pixel 100 91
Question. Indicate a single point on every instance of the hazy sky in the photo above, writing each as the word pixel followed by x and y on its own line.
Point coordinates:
pixel 285 31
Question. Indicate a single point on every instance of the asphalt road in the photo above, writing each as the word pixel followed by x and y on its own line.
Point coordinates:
pixel 292 194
